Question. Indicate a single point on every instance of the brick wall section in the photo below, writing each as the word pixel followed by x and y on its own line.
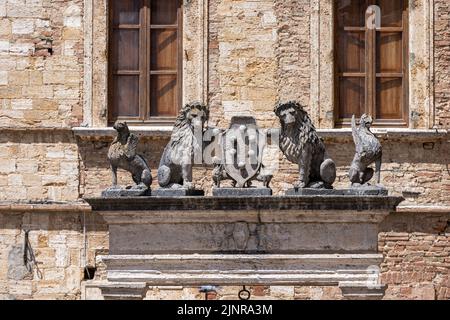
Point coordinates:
pixel 442 62
pixel 259 54
pixel 41 63
pixel 214 92
pixel 417 256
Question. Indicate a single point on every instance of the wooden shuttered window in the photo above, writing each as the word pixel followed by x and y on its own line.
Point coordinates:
pixel 145 60
pixel 371 64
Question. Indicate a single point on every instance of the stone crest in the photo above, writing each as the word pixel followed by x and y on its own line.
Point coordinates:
pixel 242 147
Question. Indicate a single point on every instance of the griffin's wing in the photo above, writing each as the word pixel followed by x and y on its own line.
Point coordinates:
pixel 355 131
pixel 132 145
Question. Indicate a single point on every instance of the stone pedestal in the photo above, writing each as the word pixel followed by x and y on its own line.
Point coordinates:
pixel 359 191
pixel 299 240
pixel 119 192
pixel 169 192
pixel 241 192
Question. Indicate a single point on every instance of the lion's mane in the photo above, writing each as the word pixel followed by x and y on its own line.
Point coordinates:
pixel 182 142
pixel 293 139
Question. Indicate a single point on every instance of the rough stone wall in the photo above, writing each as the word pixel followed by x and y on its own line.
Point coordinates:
pixel 58 243
pixel 58 167
pixel 41 63
pixel 416 247
pixel 259 53
pixel 38 166
pixel 243 62
pixel 442 62
pixel 293 50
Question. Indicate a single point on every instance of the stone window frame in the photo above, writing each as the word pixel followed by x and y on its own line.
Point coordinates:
pixel 195 61
pixel 421 64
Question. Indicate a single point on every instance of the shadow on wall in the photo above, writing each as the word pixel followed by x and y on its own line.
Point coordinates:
pixel 422 223
pixel 407 168
pixel 417 171
pixel 95 171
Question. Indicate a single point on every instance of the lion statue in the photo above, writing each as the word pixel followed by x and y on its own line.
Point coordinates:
pixel 368 151
pixel 175 168
pixel 122 154
pixel 301 145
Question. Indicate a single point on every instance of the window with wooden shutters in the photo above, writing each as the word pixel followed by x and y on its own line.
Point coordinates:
pixel 372 63
pixel 144 60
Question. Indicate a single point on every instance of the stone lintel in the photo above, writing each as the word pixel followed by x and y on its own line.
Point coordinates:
pixel 43 206
pixel 362 291
pixel 221 270
pixel 108 133
pixel 123 291
pixel 247 216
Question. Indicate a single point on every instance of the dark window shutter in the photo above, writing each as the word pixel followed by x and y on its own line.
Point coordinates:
pixel 144 60
pixel 371 65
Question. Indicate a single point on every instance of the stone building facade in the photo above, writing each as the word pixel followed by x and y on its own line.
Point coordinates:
pixel 240 57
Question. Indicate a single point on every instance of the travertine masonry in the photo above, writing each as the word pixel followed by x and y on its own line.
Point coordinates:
pixel 415 245
pixel 244 38
pixel 442 63
pixel 61 250
pixel 39 166
pixel 240 56
pixel 41 86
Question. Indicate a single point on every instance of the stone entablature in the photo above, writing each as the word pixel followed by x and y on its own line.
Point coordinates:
pixel 194 241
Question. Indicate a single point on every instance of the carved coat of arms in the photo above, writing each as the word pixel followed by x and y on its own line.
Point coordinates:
pixel 242 152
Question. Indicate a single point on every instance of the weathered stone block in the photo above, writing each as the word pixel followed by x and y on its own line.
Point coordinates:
pixel 3 78
pixel 23 26
pixel 21 104
pixel 7 165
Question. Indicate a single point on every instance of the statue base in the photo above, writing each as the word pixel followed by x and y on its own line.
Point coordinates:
pixel 236 241
pixel 354 191
pixel 241 192
pixel 126 193
pixel 168 193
